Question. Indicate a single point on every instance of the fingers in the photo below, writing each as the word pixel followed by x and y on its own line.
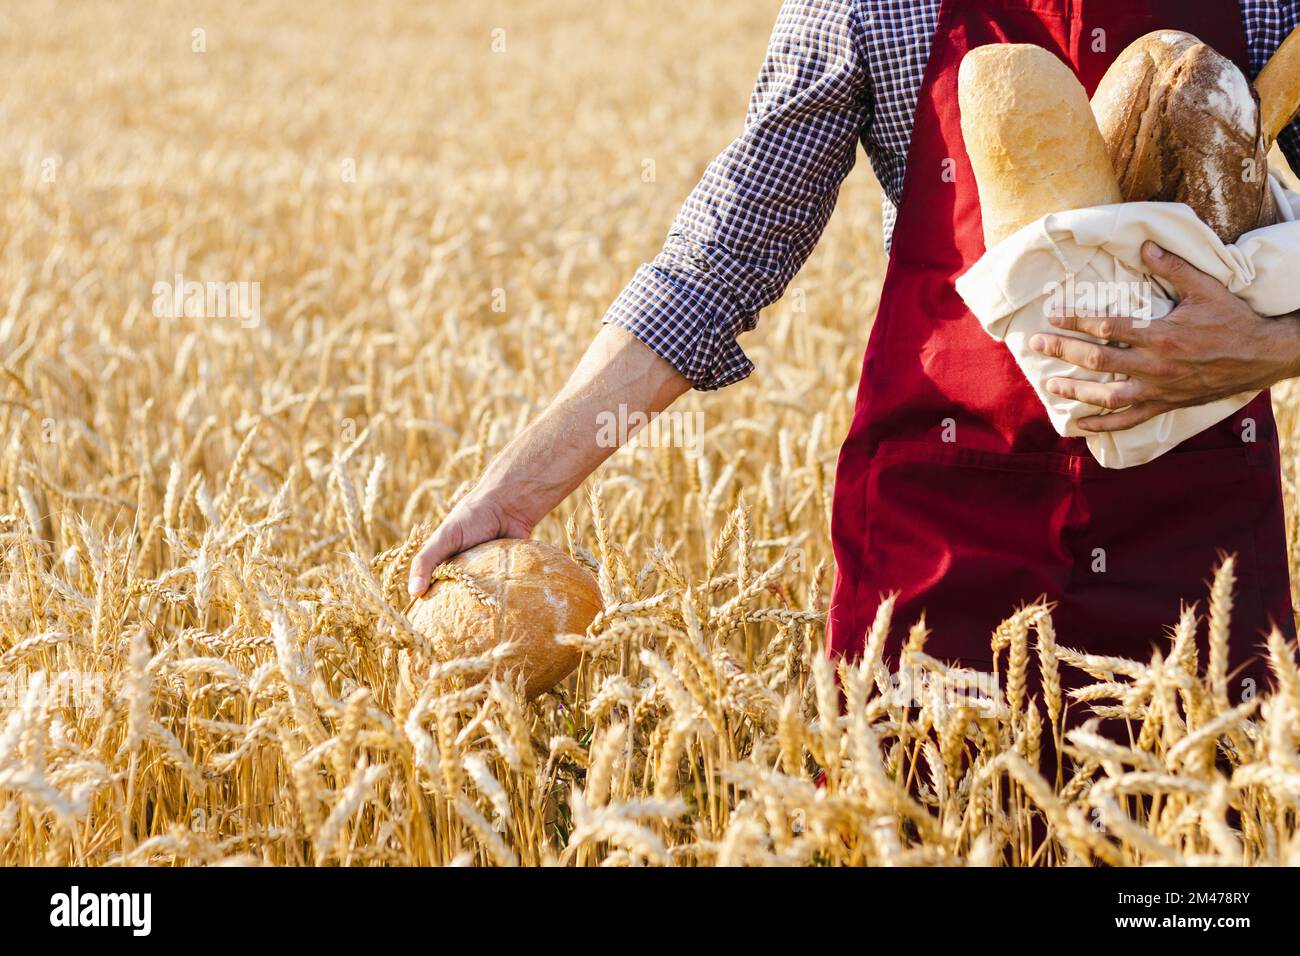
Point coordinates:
pixel 442 544
pixel 1119 421
pixel 1084 354
pixel 1186 279
pixel 1109 328
pixel 1108 395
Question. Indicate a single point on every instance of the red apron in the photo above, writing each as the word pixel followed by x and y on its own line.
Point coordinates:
pixel 954 490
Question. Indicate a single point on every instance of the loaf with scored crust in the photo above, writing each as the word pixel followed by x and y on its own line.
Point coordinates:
pixel 1182 124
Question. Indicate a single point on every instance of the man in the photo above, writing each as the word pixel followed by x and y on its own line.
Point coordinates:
pixel 952 490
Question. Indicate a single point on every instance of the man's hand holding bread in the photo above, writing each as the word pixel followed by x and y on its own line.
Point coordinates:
pixel 1172 121
pixel 1211 346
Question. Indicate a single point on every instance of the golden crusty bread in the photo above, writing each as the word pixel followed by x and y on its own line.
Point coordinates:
pixel 1278 85
pixel 1181 124
pixel 521 591
pixel 1031 138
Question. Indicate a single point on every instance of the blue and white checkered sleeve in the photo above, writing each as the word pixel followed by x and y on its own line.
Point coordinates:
pixel 753 220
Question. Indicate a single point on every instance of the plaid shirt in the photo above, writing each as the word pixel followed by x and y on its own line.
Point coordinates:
pixel 837 72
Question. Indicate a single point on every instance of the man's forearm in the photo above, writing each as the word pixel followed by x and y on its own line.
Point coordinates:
pixel 1290 346
pixel 561 447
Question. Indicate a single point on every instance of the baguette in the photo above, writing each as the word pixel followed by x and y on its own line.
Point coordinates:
pixel 1031 138
pixel 1278 85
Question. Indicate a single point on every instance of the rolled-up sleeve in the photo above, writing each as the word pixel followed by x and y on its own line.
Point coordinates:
pixel 757 213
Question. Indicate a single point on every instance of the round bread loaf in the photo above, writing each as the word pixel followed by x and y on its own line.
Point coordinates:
pixel 521 591
pixel 1031 138
pixel 1182 124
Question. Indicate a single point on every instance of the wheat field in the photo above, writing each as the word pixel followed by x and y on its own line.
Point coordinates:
pixel 205 519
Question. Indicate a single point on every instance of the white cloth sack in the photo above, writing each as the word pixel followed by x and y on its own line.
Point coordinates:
pixel 1091 259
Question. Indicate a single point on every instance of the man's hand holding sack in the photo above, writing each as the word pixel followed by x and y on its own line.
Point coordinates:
pixel 1171 150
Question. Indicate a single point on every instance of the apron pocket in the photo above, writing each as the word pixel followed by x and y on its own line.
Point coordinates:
pixel 1149 539
pixel 966 536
